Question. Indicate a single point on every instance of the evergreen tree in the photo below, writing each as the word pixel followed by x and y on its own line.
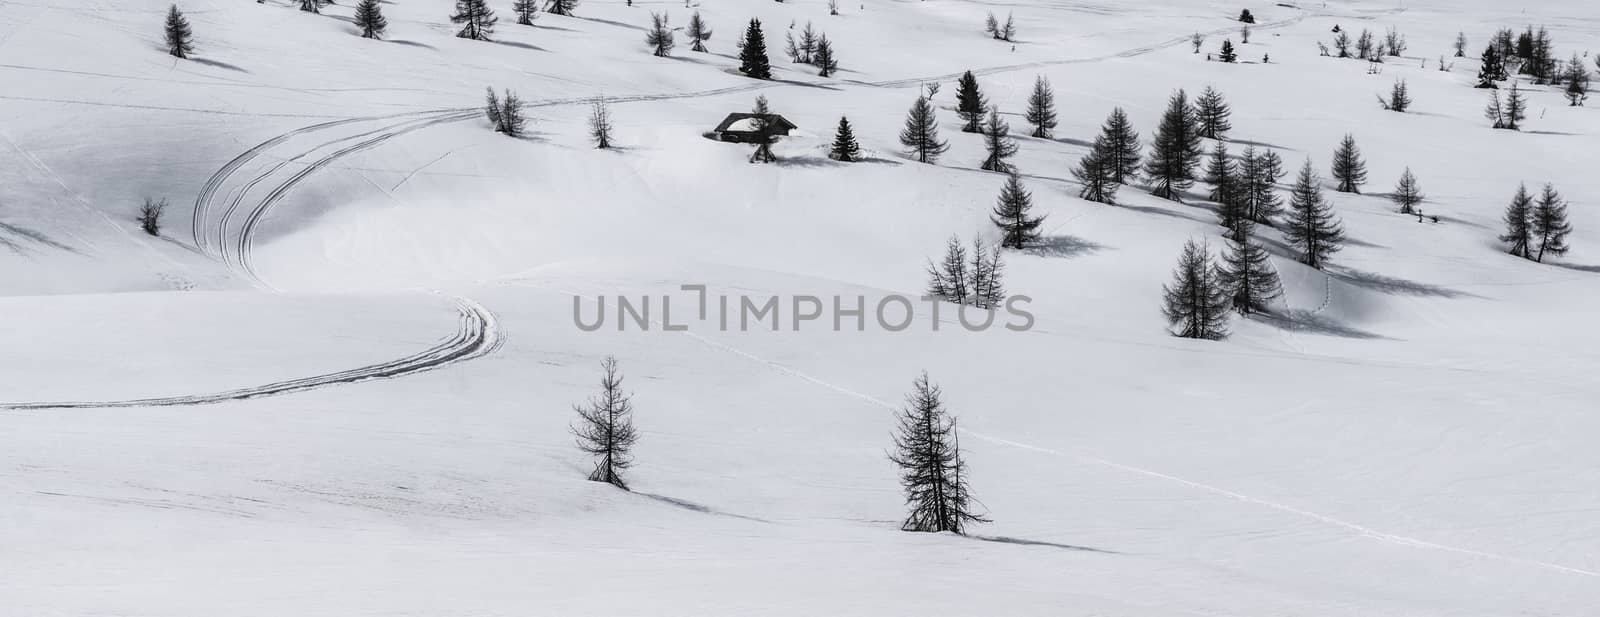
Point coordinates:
pixel 526 11
pixel 1223 175
pixel 1516 109
pixel 1175 150
pixel 1577 78
pixel 605 428
pixel 1097 174
pixel 1493 69
pixel 180 39
pixel 1407 194
pixel 970 104
pixel 1550 224
pixel 369 18
pixel 1399 97
pixel 823 57
pixel 765 135
pixel 698 33
pixel 1018 229
pixel 987 272
pixel 1247 276
pixel 808 45
pixel 1121 147
pixel 476 18
pixel 659 37
pixel 949 280
pixel 1461 44
pixel 928 453
pixel 600 123
pixel 1211 111
pixel 1341 41
pixel 1519 224
pixel 1494 111
pixel 992 26
pixel 1365 49
pixel 1246 17
pixel 1195 304
pixel 1258 180
pixel 1009 29
pixel 492 108
pixel 1228 54
pixel 997 141
pixel 561 7
pixel 1348 167
pixel 1042 108
pixel 753 54
pixel 311 6
pixel 1311 226
pixel 921 134
pixel 511 118
pixel 845 147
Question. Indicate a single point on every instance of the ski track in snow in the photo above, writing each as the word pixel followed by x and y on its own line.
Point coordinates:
pixel 477 334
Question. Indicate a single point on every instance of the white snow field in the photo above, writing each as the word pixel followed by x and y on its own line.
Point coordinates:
pixel 340 382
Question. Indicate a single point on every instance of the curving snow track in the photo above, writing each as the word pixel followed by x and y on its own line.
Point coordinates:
pixel 476 335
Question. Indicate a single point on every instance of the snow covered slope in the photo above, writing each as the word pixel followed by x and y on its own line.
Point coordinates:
pixel 344 384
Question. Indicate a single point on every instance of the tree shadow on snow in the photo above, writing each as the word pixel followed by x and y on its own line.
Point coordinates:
pixel 1165 212
pixel 1064 246
pixel 414 44
pixel 612 23
pixel 1261 144
pixel 32 235
pixel 1578 267
pixel 1394 285
pixel 1027 542
pixel 1309 322
pixel 521 45
pixel 219 64
pixel 695 507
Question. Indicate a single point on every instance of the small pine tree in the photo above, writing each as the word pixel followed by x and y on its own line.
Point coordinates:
pixel 1550 224
pixel 1018 229
pixel 1461 44
pixel 987 272
pixel 1341 42
pixel 823 57
pixel 1311 227
pixel 1258 179
pixel 1212 112
pixel 659 37
pixel 369 18
pixel 932 473
pixel 1407 194
pixel 1009 29
pixel 1365 48
pixel 150 215
pixel 1493 69
pixel 180 38
pixel 1494 111
pixel 1246 17
pixel 561 7
pixel 1042 108
pixel 1097 174
pixel 1348 167
pixel 1516 109
pixel 1175 150
pixel 1247 275
pixel 526 11
pixel 311 6
pixel 765 135
pixel 1228 55
pixel 1519 224
pixel 476 18
pixel 512 121
pixel 998 142
pixel 991 26
pixel 753 54
pixel 492 109
pixel 845 147
pixel 605 428
pixel 921 133
pixel 600 123
pixel 1122 149
pixel 808 45
pixel 1195 304
pixel 1227 191
pixel 970 104
pixel 1399 97
pixel 698 33
pixel 949 280
pixel 1577 78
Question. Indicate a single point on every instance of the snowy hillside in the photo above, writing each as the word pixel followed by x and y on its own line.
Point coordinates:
pixel 340 379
